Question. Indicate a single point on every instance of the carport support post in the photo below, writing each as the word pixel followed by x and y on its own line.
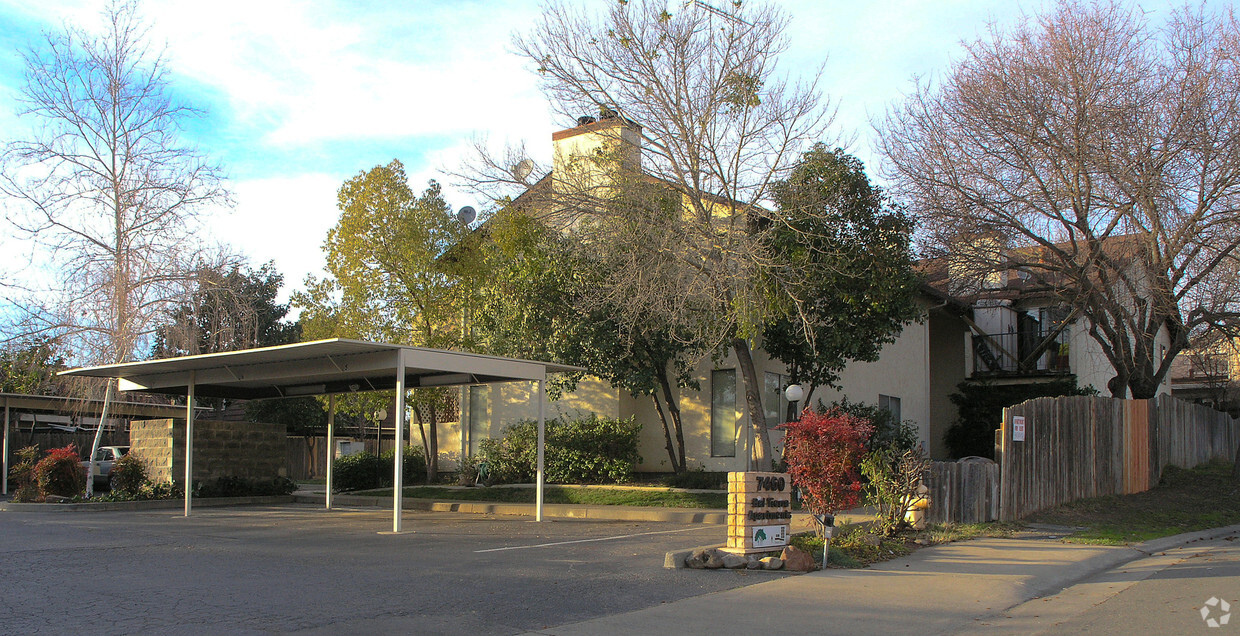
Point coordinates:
pixel 331 425
pixel 399 463
pixel 6 448
pixel 542 434
pixel 189 442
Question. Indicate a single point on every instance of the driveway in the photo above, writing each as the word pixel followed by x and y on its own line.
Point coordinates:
pixel 298 568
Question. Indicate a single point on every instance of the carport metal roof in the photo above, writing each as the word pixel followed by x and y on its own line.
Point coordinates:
pixel 325 367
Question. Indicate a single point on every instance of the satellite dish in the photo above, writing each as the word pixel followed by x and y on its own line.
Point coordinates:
pixel 522 169
pixel 466 215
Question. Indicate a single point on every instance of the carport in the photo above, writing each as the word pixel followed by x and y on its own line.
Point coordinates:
pixel 326 367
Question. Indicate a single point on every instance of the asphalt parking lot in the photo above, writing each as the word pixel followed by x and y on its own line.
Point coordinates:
pixel 299 568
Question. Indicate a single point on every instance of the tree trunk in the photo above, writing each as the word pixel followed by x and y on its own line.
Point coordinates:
pixel 94 447
pixel 1235 466
pixel 432 453
pixel 1118 386
pixel 417 412
pixel 761 452
pixel 677 425
pixel 667 432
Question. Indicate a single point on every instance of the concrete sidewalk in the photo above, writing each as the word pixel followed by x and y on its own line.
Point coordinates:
pixel 938 590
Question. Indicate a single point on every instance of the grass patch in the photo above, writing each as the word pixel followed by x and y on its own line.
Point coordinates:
pixel 558 495
pixel 1184 501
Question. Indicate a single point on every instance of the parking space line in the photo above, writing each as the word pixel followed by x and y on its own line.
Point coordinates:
pixel 548 545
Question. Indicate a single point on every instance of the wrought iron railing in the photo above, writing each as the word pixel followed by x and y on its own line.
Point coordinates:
pixel 1020 352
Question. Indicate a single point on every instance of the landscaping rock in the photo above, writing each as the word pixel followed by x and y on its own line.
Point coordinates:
pixel 797 560
pixel 734 561
pixel 872 540
pixel 697 559
pixel 771 563
pixel 753 564
pixel 714 560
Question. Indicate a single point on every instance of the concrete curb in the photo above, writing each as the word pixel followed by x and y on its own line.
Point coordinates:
pixel 159 504
pixel 1179 540
pixel 563 511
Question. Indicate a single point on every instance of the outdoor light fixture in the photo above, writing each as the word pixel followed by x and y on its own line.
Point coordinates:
pixel 794 393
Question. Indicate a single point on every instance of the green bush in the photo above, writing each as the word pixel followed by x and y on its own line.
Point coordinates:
pixel 889 433
pixel 21 475
pixel 128 474
pixel 228 486
pixel 586 449
pixel 698 478
pixel 364 471
pixel 981 405
pixel 148 490
pixel 60 473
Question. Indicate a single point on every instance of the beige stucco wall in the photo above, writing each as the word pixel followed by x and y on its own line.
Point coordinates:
pixel 1090 364
pixel 901 371
pixel 948 363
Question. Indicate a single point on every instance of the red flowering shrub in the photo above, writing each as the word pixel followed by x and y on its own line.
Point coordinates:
pixel 60 473
pixel 823 452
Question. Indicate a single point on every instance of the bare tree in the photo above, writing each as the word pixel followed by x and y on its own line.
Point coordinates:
pixel 695 126
pixel 1097 154
pixel 104 189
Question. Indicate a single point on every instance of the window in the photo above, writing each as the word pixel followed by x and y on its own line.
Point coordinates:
pixel 723 413
pixel 774 403
pixel 479 422
pixel 891 404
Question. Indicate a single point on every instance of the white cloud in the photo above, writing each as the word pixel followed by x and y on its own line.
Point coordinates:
pixel 334 72
pixel 282 219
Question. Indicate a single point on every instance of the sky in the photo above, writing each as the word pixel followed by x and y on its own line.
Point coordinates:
pixel 298 96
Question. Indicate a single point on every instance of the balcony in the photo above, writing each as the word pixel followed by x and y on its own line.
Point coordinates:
pixel 1020 353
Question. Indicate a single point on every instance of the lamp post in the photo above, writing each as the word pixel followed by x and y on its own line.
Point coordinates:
pixel 794 393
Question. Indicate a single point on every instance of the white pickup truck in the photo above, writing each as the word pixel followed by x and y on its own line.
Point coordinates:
pixel 105 457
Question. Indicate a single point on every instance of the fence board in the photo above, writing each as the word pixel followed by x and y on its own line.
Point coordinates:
pixel 962 492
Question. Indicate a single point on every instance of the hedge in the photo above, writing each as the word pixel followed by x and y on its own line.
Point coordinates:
pixel 584 449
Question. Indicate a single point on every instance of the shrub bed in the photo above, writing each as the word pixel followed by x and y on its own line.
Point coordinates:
pixel 241 487
pixel 366 471
pixel 60 473
pixel 587 449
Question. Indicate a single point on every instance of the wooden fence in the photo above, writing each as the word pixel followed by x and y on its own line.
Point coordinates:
pixel 1055 450
pixel 962 492
pixel 48 439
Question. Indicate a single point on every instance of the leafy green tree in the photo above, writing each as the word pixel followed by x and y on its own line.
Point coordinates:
pixel 397 274
pixel 533 305
pixel 847 247
pixel 30 369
